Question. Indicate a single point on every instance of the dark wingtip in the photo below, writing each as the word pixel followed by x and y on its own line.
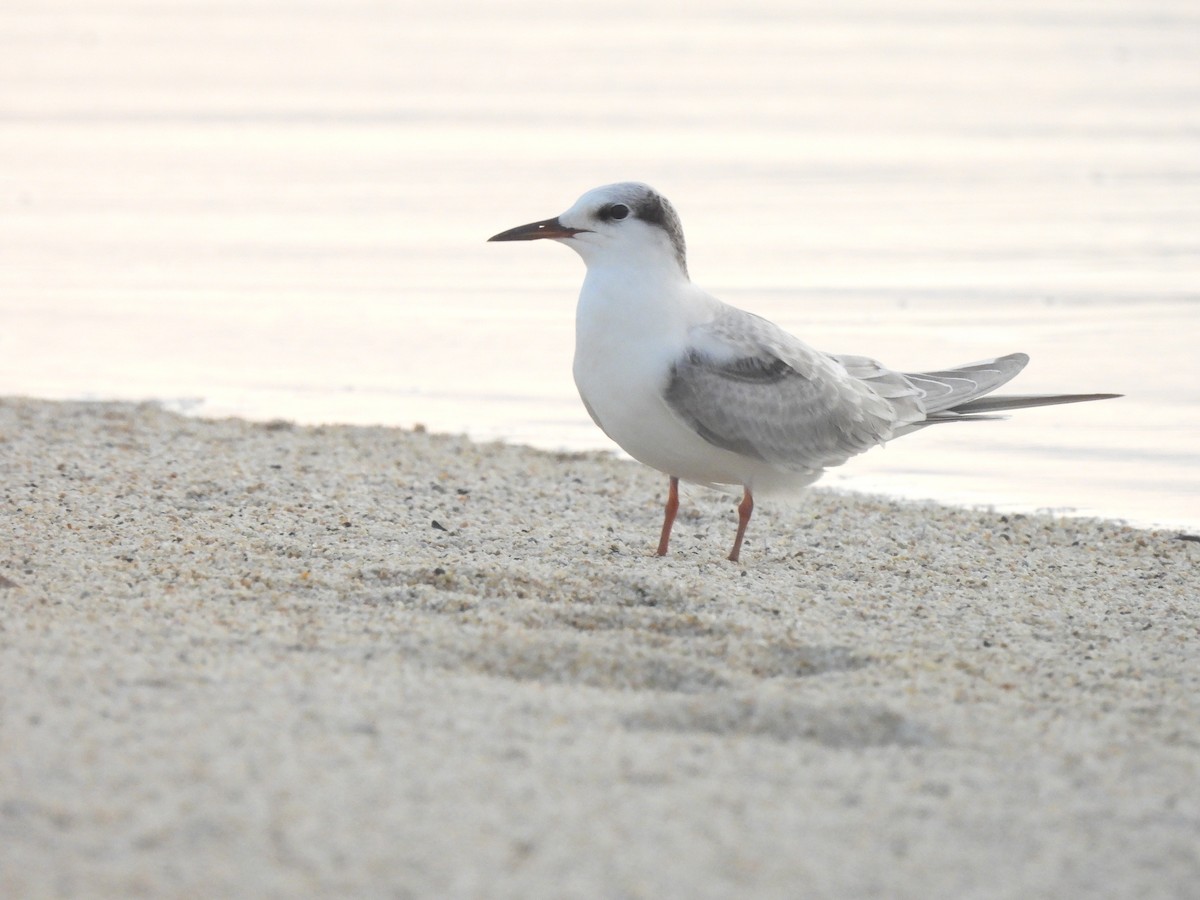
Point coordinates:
pixel 996 402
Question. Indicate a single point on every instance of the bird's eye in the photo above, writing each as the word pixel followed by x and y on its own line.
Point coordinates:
pixel 618 211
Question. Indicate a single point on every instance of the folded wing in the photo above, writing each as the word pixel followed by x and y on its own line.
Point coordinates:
pixel 749 387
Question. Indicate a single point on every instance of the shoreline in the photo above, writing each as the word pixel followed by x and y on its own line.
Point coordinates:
pixel 880 485
pixel 256 658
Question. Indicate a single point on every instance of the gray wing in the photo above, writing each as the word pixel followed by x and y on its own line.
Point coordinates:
pixel 950 389
pixel 748 386
pixel 955 394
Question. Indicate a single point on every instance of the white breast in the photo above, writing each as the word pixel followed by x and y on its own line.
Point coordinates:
pixel 627 336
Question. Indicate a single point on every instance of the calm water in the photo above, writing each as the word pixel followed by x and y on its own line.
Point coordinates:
pixel 278 209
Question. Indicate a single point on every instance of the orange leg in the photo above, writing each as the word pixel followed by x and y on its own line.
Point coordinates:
pixel 669 516
pixel 744 509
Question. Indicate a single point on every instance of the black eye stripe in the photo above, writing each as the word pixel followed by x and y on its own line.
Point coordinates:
pixel 612 212
pixel 649 208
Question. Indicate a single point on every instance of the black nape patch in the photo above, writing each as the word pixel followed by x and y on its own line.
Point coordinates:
pixel 653 209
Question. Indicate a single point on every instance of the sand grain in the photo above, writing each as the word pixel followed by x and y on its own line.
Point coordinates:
pixel 250 660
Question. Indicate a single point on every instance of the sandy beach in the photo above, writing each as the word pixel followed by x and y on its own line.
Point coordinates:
pixel 262 660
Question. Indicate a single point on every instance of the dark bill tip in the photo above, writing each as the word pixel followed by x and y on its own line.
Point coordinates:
pixel 548 228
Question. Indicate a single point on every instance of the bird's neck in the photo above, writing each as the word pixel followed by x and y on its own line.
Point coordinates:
pixel 633 304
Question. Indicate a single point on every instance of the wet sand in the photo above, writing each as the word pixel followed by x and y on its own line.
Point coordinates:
pixel 261 660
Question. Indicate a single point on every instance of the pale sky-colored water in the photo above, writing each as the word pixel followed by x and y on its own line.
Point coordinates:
pixel 274 209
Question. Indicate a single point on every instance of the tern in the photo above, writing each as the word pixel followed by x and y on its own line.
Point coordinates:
pixel 708 393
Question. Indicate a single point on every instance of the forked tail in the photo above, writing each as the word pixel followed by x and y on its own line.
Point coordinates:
pixel 965 391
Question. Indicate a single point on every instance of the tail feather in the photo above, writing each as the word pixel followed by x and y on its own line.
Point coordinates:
pixel 1024 401
pixel 965 392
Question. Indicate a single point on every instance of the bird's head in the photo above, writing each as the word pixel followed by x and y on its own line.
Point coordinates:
pixel 625 224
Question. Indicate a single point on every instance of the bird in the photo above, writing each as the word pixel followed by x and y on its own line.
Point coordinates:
pixel 709 393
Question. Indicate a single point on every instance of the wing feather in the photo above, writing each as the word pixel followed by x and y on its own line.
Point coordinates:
pixel 949 388
pixel 749 387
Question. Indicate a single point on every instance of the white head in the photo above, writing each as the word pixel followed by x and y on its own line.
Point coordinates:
pixel 627 223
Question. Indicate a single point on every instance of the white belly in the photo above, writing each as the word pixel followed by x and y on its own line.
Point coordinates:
pixel 623 390
pixel 627 337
